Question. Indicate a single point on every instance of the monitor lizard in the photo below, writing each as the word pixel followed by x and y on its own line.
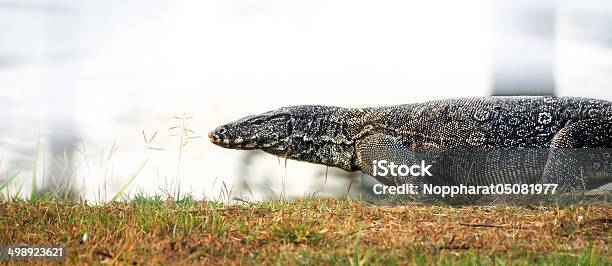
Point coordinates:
pixel 476 140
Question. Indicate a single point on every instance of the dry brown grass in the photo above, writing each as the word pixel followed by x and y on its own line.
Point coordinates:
pixel 311 231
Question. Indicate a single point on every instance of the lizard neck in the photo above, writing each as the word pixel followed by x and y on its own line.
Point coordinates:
pixel 322 135
pixel 326 135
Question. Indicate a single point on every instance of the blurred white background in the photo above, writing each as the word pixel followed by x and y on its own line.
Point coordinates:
pixel 87 77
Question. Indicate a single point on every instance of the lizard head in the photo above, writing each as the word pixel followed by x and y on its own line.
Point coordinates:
pixel 311 133
pixel 267 131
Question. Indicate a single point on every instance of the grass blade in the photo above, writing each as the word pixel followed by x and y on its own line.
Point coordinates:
pixel 129 180
pixel 9 180
pixel 34 194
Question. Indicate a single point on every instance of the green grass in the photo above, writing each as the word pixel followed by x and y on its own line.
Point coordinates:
pixel 152 230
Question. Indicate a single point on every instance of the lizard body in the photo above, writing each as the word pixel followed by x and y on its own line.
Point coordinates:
pixel 444 131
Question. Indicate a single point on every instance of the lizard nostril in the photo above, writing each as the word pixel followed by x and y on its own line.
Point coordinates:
pixel 221 130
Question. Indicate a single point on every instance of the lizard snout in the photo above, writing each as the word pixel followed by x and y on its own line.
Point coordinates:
pixel 221 138
pixel 216 136
pixel 212 136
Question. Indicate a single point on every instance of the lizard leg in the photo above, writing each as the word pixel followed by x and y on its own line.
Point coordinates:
pixel 580 157
pixel 375 148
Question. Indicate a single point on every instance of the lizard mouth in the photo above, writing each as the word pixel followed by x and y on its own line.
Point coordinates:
pixel 226 142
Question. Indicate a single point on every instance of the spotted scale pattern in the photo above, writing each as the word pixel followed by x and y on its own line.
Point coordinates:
pixel 329 135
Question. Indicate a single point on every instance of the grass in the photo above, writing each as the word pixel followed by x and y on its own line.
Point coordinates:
pixel 151 230
pixel 174 228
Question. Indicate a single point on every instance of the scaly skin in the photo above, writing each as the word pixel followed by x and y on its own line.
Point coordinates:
pixel 349 138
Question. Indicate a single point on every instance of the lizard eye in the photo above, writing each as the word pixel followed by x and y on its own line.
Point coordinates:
pixel 257 121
